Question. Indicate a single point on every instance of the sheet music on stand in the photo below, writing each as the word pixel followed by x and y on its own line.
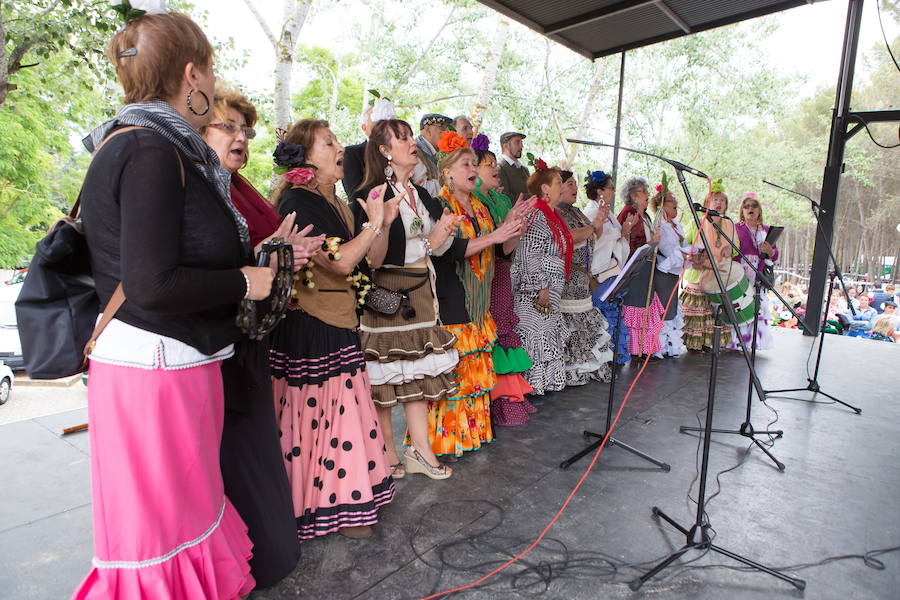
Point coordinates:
pixel 631 268
pixel 775 232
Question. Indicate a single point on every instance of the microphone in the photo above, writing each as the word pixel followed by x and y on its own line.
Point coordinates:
pixel 683 167
pixel 709 211
pixel 814 203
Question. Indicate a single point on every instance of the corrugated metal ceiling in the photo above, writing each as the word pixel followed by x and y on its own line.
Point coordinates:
pixel 596 28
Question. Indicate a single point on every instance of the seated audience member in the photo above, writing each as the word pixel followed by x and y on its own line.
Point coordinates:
pixel 884 329
pixel 891 291
pixel 890 308
pixel 878 298
pixel 865 314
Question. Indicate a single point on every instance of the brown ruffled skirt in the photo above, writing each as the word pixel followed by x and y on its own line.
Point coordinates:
pixel 408 360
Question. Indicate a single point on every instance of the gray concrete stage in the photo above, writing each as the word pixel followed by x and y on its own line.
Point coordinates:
pixel 838 496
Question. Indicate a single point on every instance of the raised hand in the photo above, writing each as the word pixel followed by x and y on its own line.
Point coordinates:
pixel 509 229
pixel 445 227
pixel 304 247
pixel 373 205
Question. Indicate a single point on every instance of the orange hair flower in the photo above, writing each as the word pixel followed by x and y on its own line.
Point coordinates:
pixel 451 141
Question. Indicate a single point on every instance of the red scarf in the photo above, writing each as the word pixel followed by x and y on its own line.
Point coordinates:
pixel 262 220
pixel 559 231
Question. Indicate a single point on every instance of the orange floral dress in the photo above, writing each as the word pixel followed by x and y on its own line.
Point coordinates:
pixel 463 422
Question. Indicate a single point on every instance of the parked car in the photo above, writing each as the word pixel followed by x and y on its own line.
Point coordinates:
pixel 18 276
pixel 6 381
pixel 10 345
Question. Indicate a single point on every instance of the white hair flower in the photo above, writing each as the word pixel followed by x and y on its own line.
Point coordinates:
pixel 151 7
pixel 383 110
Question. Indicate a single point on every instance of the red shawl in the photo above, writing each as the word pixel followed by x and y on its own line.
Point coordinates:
pixel 262 220
pixel 559 231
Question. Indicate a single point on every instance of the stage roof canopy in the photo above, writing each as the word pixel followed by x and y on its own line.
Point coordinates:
pixel 596 28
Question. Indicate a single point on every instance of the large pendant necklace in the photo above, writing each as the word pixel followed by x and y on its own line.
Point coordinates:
pixel 417 226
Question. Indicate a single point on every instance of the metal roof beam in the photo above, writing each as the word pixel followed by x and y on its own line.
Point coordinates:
pixel 673 16
pixel 595 15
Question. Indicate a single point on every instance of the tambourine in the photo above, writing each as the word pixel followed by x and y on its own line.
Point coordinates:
pixel 249 319
pixel 544 309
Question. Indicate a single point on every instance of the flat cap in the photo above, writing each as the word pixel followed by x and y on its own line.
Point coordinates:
pixel 509 135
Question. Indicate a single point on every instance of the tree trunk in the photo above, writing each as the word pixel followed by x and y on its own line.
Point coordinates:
pixel 293 18
pixel 490 74
pixel 586 112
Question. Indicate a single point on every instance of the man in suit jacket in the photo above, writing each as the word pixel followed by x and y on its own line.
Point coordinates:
pixel 426 172
pixel 513 174
pixel 354 156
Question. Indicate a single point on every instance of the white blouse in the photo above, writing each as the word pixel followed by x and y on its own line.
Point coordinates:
pixel 415 249
pixel 129 346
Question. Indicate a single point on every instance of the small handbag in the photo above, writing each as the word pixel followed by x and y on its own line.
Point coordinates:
pixel 388 302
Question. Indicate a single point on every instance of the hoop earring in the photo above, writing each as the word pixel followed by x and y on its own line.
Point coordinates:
pixel 190 104
pixel 388 169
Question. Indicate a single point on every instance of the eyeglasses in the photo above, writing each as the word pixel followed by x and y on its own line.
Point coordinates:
pixel 487 164
pixel 232 129
pixel 753 205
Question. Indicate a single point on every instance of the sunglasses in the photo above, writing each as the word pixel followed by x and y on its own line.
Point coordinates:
pixel 232 129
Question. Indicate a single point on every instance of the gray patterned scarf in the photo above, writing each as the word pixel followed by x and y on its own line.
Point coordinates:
pixel 162 118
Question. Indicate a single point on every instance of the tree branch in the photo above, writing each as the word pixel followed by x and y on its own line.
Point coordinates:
pixel 262 22
pixel 407 75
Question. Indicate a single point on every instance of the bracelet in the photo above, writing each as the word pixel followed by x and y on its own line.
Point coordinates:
pixel 247 281
pixel 372 228
pixel 428 250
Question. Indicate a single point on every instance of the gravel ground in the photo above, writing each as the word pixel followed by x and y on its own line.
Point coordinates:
pixel 30 401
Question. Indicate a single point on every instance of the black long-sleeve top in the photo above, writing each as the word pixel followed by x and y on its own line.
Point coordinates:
pixel 175 248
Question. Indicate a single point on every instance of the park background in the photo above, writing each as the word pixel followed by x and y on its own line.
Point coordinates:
pixel 742 102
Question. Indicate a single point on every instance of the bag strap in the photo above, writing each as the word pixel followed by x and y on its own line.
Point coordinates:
pixel 118 298
pixel 112 307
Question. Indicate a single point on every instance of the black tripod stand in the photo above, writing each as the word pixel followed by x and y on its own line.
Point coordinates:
pixel 746 428
pixel 698 537
pixel 813 384
pixel 609 409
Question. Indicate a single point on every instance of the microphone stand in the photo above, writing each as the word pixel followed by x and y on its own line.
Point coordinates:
pixel 698 536
pixel 746 428
pixel 813 384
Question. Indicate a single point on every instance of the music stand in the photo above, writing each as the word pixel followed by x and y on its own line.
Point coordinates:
pixel 614 293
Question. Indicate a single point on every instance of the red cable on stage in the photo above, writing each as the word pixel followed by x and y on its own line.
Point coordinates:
pixel 587 471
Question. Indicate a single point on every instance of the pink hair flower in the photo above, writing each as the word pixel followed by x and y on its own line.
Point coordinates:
pixel 300 175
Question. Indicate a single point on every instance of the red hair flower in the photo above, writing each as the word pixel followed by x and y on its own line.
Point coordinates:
pixel 540 165
pixel 451 141
pixel 300 176
pixel 659 188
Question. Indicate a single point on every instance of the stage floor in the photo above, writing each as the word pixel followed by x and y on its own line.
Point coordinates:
pixel 839 495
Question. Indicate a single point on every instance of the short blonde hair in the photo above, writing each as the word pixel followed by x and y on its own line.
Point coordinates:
pixel 884 323
pixel 229 97
pixel 150 54
pixel 448 160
